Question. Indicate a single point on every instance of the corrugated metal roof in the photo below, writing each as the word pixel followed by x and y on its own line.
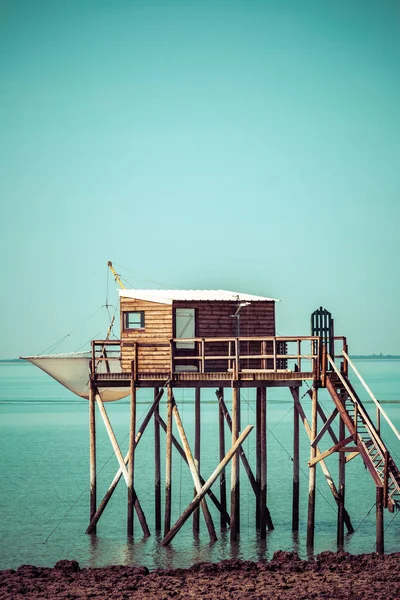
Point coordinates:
pixel 168 296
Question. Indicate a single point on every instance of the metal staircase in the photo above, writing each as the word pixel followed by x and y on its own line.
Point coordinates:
pixel 364 434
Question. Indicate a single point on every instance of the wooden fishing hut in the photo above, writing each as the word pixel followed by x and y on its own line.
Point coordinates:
pixel 215 338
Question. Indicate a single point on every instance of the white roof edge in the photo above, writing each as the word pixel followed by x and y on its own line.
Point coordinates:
pixel 169 296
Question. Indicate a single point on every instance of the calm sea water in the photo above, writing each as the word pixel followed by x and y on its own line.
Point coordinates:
pixel 44 460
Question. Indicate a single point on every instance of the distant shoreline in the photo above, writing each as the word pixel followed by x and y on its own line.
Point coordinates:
pixel 375 356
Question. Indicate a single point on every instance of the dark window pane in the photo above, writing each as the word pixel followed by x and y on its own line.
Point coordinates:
pixel 134 320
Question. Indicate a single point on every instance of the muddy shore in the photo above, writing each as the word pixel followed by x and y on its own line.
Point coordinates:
pixel 329 575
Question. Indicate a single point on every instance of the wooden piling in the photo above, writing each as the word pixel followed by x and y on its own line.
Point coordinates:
pixel 195 473
pixel 92 451
pixel 222 477
pixel 258 461
pixel 206 486
pixel 341 509
pixel 235 499
pixel 197 432
pixel 130 482
pixel 263 462
pixel 111 489
pixel 157 468
pixel 181 452
pixel 313 471
pixel 168 465
pixel 246 465
pixel 296 464
pixel 380 545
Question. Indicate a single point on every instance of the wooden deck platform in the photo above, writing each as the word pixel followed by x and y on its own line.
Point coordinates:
pixel 213 379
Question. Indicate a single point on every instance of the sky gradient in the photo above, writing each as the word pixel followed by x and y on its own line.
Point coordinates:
pixel 244 145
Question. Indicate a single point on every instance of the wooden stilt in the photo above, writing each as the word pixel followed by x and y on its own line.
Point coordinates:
pixel 322 463
pixel 296 465
pixel 113 439
pixel 197 412
pixel 380 545
pixel 118 476
pixel 132 427
pixel 168 466
pixel 195 474
pixel 195 502
pixel 342 464
pixel 92 451
pixel 235 501
pixel 222 478
pixel 256 488
pixel 157 468
pixel 181 452
pixel 263 461
pixel 258 459
pixel 312 480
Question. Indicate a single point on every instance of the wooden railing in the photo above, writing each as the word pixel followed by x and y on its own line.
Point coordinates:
pixel 232 353
pixel 223 354
pixel 105 352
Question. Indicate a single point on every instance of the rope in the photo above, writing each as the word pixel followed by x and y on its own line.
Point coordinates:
pixel 391 520
pixel 53 346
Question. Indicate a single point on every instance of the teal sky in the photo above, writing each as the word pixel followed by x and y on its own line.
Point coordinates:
pixel 245 145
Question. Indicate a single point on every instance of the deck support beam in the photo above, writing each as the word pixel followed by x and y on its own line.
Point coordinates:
pixel 253 482
pixel 312 475
pixel 263 462
pixel 380 545
pixel 342 465
pixel 92 451
pixel 194 471
pixel 197 434
pixel 168 465
pixel 296 463
pixel 131 452
pixel 181 452
pixel 157 467
pixel 322 463
pixel 222 477
pixel 235 481
pixel 206 486
pixel 110 491
pixel 258 463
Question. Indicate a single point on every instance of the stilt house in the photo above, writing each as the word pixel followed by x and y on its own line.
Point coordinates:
pixel 194 330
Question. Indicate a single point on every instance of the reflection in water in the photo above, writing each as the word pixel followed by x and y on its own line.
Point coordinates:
pixel 296 542
pixel 93 549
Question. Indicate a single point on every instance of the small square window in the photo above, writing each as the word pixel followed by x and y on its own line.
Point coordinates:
pixel 134 320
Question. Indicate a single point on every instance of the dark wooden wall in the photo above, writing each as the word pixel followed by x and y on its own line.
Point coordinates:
pixel 214 319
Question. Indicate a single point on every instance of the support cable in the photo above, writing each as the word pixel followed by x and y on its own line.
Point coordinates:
pixel 56 344
pixel 163 285
pixel 291 458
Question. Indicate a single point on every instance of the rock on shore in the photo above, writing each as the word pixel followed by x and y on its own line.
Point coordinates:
pixel 329 575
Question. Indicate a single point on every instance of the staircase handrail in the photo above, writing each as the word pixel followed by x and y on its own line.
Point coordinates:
pixel 367 421
pixel 378 404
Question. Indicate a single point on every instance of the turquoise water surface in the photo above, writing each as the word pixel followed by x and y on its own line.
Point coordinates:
pixel 44 498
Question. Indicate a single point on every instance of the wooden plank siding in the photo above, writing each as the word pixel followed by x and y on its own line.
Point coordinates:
pixel 153 340
pixel 213 319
